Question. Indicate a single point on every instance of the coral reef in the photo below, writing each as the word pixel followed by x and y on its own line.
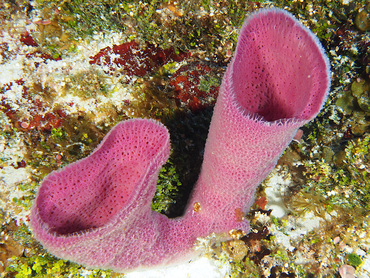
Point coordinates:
pixel 104 199
pixel 331 151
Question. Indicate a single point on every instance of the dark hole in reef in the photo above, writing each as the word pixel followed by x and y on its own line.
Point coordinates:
pixel 189 132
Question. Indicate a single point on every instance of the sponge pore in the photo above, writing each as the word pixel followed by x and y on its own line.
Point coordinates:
pixel 88 194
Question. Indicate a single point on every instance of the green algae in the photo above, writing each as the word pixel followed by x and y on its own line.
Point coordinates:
pixel 351 179
pixel 151 100
pixel 82 18
pixel 207 82
pixel 48 266
pixel 361 91
pixel 88 84
pixel 10 9
pixel 167 189
pixel 354 259
pixel 356 100
pixel 362 19
pixel 158 22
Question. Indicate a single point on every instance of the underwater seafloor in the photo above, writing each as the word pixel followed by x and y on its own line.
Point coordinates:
pixel 70 70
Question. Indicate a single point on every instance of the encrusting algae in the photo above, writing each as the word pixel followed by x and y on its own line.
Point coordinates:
pixel 56 106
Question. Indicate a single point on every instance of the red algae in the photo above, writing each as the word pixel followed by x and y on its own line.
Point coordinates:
pixel 39 117
pixel 27 39
pixel 135 60
pixel 186 83
pixel 43 56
